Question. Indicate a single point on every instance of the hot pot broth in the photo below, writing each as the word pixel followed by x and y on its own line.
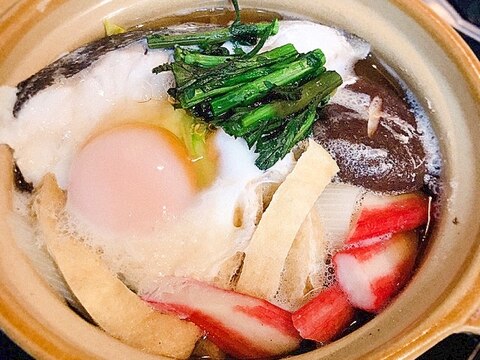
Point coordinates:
pixel 375 73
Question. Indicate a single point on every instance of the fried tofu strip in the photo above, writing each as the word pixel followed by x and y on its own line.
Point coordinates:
pixel 227 277
pixel 248 213
pixel 274 236
pixel 306 259
pixel 115 308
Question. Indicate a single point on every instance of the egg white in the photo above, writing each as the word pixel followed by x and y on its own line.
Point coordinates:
pixel 197 242
pixel 341 50
pixel 54 124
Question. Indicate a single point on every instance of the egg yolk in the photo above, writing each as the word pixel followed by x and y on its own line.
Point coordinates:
pixel 131 178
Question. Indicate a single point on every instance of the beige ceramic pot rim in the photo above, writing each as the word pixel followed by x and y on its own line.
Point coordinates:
pixel 36 319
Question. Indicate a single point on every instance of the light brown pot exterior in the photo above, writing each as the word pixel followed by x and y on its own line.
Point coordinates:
pixel 443 296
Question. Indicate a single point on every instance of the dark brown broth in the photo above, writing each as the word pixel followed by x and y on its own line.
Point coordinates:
pixel 217 16
pixel 373 69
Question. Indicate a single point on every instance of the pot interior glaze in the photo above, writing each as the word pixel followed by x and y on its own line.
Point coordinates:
pixel 428 55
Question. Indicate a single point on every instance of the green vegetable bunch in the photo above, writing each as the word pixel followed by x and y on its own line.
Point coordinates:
pixel 270 99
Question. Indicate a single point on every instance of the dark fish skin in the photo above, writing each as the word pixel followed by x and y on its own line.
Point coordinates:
pixel 81 58
pixel 71 64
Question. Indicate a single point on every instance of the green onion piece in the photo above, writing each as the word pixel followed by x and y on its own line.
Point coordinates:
pixel 251 92
pixel 273 148
pixel 111 28
pixel 239 32
pixel 321 87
